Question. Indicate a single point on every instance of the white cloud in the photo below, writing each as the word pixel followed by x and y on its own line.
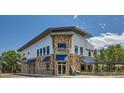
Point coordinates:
pixel 75 16
pixel 102 25
pixel 106 39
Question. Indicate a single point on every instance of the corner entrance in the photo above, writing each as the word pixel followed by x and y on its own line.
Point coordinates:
pixel 61 68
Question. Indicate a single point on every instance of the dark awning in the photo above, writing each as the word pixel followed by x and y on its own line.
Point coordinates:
pixel 46 59
pixel 31 61
pixel 24 58
pixel 88 60
pixel 62 57
pixel 108 63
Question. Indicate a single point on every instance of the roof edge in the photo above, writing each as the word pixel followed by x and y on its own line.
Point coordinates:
pixel 47 31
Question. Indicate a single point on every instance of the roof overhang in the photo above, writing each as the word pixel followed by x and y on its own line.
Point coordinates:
pixel 55 29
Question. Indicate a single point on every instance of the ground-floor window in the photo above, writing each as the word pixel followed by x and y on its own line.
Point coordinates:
pixel 89 67
pixel 48 67
pixel 82 67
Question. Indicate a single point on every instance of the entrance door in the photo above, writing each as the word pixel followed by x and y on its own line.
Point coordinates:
pixel 61 68
pixel 89 68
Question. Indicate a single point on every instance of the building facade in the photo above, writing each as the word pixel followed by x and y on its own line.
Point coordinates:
pixel 57 51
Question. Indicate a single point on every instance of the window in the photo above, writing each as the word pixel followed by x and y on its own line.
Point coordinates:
pixel 44 51
pixel 48 67
pixel 41 52
pixel 76 49
pixel 89 52
pixel 62 45
pixel 62 57
pixel 82 67
pixel 37 52
pixel 48 50
pixel 81 50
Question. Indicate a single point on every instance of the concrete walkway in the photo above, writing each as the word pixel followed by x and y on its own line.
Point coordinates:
pixel 33 75
pixel 79 76
pixel 11 75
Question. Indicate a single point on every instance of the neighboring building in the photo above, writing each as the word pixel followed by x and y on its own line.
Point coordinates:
pixel 57 51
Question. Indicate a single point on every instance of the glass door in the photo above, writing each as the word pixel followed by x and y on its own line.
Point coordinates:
pixel 61 68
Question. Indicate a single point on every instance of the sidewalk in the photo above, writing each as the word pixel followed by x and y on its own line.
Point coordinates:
pixel 33 75
pixel 80 76
pixel 12 75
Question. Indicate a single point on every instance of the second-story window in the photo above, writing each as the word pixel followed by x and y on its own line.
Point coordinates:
pixel 76 49
pixel 44 51
pixel 62 45
pixel 37 52
pixel 41 52
pixel 28 53
pixel 89 52
pixel 81 50
pixel 48 50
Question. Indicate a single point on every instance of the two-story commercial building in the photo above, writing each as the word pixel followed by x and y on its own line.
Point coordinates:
pixel 57 51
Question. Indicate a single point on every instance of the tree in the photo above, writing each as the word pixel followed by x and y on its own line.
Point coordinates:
pixel 1 61
pixel 12 58
pixel 114 53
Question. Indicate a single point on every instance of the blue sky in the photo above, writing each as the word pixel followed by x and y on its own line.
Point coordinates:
pixel 15 31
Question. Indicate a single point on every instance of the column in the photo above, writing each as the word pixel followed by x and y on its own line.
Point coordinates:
pixel 93 67
pixel 86 68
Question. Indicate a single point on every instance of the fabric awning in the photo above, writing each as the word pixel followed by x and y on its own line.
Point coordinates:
pixel 46 59
pixel 62 57
pixel 88 60
pixel 24 58
pixel 31 61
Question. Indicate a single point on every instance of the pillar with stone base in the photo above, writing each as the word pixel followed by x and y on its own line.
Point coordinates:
pixel 86 67
pixel 93 67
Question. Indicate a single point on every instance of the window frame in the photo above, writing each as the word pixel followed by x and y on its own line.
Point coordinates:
pixel 41 52
pixel 81 50
pixel 89 52
pixel 59 45
pixel 83 67
pixel 76 49
pixel 44 51
pixel 38 54
pixel 48 50
pixel 48 67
